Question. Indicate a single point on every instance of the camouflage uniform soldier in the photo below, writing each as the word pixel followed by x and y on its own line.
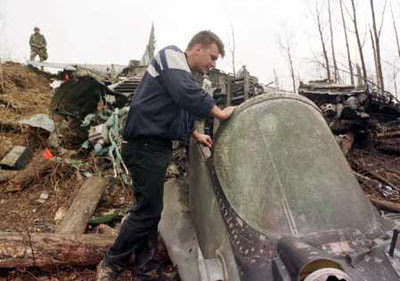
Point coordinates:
pixel 38 45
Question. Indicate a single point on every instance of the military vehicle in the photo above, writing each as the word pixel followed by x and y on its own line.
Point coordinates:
pixel 275 199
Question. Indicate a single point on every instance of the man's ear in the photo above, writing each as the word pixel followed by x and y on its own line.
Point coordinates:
pixel 197 48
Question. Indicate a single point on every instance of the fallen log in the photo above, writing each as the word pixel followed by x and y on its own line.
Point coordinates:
pixel 388 149
pixel 82 208
pixel 385 205
pixel 388 135
pixel 24 177
pixel 45 250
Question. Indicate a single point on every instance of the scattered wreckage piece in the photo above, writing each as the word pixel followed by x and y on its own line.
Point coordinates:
pixel 177 230
pixel 126 87
pixel 344 107
pixel 99 70
pixel 232 90
pixel 81 111
pixel 42 121
pixel 360 110
pixel 104 218
pixel 106 138
pixel 83 206
pixel 73 101
pixel 23 178
pixel 18 250
pixel 16 158
pixel 283 204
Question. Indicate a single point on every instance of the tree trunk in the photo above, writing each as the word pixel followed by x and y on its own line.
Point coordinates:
pixel 233 50
pixel 83 207
pixel 347 44
pixel 385 205
pixel 364 70
pixel 292 70
pixel 395 81
pixel 45 249
pixel 328 71
pixel 286 47
pixel 375 59
pixel 377 49
pixel 395 30
pixel 335 68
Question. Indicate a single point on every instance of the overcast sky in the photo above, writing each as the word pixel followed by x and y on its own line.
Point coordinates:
pixel 100 31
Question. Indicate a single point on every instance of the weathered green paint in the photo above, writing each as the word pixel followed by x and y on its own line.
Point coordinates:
pixel 283 172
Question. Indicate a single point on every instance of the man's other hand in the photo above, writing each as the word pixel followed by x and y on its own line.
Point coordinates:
pixel 202 138
pixel 205 140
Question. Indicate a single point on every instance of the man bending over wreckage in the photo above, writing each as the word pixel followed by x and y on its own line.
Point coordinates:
pixel 164 108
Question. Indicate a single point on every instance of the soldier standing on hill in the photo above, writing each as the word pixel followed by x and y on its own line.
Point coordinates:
pixel 37 42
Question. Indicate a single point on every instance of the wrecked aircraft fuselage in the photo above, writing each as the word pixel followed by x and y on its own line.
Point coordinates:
pixel 278 201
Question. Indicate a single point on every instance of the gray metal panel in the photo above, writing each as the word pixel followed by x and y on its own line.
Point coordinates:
pixel 177 230
pixel 209 225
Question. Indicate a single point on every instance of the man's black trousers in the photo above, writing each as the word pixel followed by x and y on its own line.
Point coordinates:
pixel 147 160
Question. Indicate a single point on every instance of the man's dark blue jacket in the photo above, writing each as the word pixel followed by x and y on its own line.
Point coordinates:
pixel 168 99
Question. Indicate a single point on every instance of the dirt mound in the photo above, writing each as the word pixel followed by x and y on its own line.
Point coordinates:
pixel 27 92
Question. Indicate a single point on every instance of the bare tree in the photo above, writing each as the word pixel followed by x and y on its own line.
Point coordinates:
pixel 321 36
pixel 394 77
pixel 335 68
pixel 375 57
pixel 354 19
pixel 347 43
pixel 287 49
pixel 395 30
pixel 377 47
pixel 232 50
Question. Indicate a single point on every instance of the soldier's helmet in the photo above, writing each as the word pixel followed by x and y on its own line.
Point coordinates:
pixel 36 28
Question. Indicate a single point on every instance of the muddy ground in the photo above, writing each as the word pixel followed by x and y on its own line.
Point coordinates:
pixel 28 92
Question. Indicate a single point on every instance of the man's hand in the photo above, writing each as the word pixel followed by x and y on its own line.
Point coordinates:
pixel 223 114
pixel 202 138
pixel 227 112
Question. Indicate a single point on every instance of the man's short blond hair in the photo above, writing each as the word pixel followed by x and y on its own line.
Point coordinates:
pixel 206 38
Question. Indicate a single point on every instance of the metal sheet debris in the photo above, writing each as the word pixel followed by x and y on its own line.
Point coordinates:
pixel 42 121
